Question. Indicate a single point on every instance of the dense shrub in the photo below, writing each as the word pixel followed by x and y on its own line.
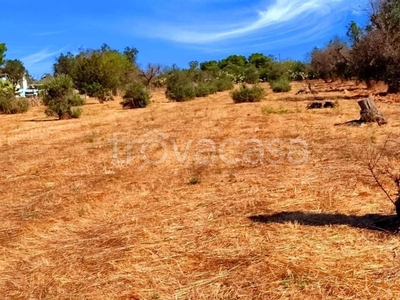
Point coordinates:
pixel 223 82
pixel 205 88
pixel 281 85
pixel 183 85
pixel 9 104
pixel 59 97
pixel 98 72
pixel 251 74
pixel 7 89
pixel 136 96
pixel 248 94
pixel 12 105
pixel 180 87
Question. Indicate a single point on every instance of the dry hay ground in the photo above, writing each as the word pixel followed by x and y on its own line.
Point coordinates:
pixel 77 224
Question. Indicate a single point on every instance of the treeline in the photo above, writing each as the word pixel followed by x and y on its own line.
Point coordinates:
pixel 371 53
pixel 15 70
pixel 101 73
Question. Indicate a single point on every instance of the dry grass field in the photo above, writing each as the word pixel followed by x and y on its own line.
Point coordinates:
pixel 85 218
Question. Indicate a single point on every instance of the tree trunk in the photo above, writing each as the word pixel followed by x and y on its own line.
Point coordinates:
pixel 369 112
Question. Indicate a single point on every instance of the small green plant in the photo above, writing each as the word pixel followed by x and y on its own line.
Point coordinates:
pixel 248 94
pixel 136 96
pixel 267 110
pixel 60 99
pixel 281 85
pixel 194 180
pixel 76 112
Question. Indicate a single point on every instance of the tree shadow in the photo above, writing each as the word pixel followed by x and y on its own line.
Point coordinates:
pixel 41 120
pixel 370 221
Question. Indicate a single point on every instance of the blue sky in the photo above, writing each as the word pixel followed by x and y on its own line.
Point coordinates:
pixel 174 31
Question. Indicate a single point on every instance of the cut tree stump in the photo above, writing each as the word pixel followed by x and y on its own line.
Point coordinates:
pixel 370 113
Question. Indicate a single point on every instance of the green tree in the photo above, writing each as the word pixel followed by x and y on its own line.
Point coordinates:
pixel 260 60
pixel 251 74
pixel 237 60
pixel 354 33
pixel 3 50
pixel 193 65
pixel 211 66
pixel 100 73
pixel 131 54
pixel 64 64
pixel 15 70
pixel 9 104
pixel 60 99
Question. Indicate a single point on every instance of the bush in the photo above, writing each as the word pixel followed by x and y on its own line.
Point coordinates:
pixel 180 86
pixel 281 85
pixel 181 93
pixel 7 89
pixel 251 75
pixel 136 96
pixel 59 97
pixel 11 105
pixel 223 84
pixel 76 112
pixel 246 94
pixel 205 89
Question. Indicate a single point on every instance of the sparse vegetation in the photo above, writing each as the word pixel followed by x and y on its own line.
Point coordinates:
pixel 207 199
pixel 194 180
pixel 267 110
pixel 199 209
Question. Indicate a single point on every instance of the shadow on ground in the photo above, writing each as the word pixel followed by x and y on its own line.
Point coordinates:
pixel 40 120
pixel 370 221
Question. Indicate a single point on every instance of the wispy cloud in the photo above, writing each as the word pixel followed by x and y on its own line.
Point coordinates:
pixel 48 33
pixel 35 61
pixel 40 56
pixel 272 22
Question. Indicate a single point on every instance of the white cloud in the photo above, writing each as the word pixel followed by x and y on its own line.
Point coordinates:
pixel 40 56
pixel 48 33
pixel 35 62
pixel 279 21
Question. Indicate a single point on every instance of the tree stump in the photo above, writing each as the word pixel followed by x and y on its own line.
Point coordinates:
pixel 369 112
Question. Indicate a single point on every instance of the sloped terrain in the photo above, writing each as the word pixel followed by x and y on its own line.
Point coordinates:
pixel 187 204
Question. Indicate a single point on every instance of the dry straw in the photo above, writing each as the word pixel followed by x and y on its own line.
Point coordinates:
pixel 76 225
